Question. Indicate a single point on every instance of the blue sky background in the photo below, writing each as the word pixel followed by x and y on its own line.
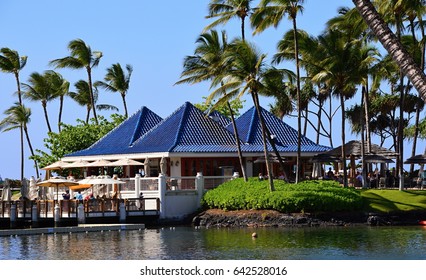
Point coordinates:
pixel 152 36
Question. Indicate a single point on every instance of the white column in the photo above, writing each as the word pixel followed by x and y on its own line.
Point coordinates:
pixel 81 216
pixel 162 180
pixel 137 185
pixel 199 185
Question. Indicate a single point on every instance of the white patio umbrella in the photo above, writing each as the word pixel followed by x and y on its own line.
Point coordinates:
pixel 124 162
pixel 76 164
pixel 100 180
pixel 56 165
pixel 99 163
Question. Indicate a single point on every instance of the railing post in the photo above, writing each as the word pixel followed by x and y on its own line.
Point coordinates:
pixel 81 216
pixel 12 215
pixel 122 212
pixel 199 185
pixel 56 214
pixel 34 215
pixel 162 183
pixel 137 184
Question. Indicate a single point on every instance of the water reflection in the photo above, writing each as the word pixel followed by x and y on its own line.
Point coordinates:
pixel 185 243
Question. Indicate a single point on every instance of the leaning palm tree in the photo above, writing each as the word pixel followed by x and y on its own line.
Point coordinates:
pixel 81 57
pixel 18 116
pixel 208 63
pixel 117 81
pixel 270 13
pixel 39 89
pixel 11 62
pixel 245 75
pixel 82 97
pixel 391 43
pixel 225 10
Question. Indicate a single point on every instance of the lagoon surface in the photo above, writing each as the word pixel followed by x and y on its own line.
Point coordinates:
pixel 188 243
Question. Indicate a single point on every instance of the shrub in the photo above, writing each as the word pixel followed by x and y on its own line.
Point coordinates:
pixel 307 196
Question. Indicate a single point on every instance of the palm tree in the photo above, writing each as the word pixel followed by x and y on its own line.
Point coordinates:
pixel 82 97
pixel 342 68
pixel 117 81
pixel 391 43
pixel 18 116
pixel 207 63
pixel 245 75
pixel 39 89
pixel 271 12
pixel 60 88
pixel 11 62
pixel 81 57
pixel 226 10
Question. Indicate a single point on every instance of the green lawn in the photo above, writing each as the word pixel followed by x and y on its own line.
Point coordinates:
pixel 387 201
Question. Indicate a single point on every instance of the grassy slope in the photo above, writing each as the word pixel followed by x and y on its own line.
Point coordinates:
pixel 387 201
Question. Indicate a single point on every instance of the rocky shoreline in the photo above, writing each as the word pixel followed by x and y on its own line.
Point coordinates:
pixel 270 218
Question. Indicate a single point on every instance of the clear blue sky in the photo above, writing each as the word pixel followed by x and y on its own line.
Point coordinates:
pixel 152 36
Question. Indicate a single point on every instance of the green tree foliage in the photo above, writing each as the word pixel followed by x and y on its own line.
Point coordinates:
pixel 236 105
pixel 73 138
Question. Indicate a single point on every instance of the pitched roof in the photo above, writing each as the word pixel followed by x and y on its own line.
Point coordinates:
pixel 250 132
pixel 123 136
pixel 186 130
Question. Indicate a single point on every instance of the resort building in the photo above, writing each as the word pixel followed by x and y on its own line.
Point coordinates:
pixel 189 142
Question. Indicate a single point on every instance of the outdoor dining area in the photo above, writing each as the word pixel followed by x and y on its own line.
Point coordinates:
pixel 377 173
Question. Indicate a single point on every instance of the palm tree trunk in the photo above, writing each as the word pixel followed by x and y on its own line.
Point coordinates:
pixel 18 84
pixel 237 141
pixel 265 147
pixel 391 43
pixel 345 173
pixel 422 66
pixel 123 97
pixel 92 97
pixel 299 113
pixel 61 105
pixel 46 117
pixel 21 132
pixel 31 149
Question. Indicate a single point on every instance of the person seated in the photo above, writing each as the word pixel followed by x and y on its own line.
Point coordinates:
pixel 358 180
pixel 66 195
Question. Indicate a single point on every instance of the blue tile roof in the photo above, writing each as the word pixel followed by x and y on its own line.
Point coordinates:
pixel 123 136
pixel 250 132
pixel 216 116
pixel 187 130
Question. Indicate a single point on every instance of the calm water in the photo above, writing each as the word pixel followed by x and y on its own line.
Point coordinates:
pixel 186 243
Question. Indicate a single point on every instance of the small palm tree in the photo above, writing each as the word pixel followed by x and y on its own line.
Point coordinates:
pixel 246 74
pixel 81 57
pixel 82 97
pixel 226 10
pixel 18 116
pixel 208 64
pixel 60 88
pixel 11 62
pixel 39 89
pixel 117 81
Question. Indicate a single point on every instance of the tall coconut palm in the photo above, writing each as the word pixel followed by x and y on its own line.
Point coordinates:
pixel 341 69
pixel 245 76
pixel 82 97
pixel 39 89
pixel 11 62
pixel 270 13
pixel 226 10
pixel 208 64
pixel 82 57
pixel 18 116
pixel 117 81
